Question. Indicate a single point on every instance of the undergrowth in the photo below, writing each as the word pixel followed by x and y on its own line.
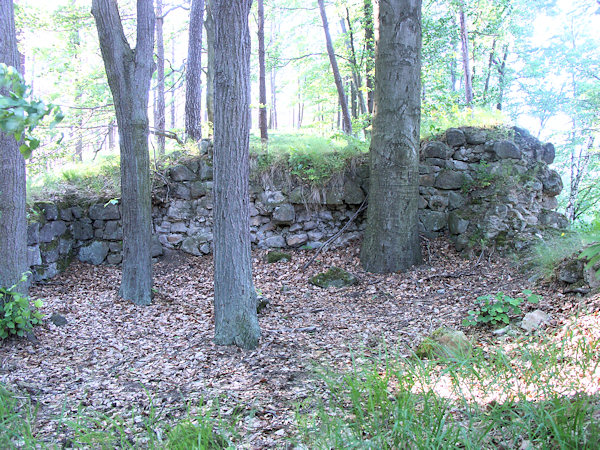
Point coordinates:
pixel 536 392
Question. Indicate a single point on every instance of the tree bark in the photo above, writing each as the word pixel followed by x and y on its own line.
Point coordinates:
pixel 160 117
pixel 209 25
pixel 391 241
pixel 346 122
pixel 129 72
pixel 13 222
pixel 174 81
pixel 262 82
pixel 370 51
pixel 273 109
pixel 193 90
pixel 356 78
pixel 464 38
pixel 501 78
pixel 236 321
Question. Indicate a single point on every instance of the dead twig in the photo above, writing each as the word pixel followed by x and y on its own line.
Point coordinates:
pixel 332 239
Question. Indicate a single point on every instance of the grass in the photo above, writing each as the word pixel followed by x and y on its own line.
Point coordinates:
pixel 547 254
pixel 436 122
pixel 536 392
pixel 310 158
pixel 16 418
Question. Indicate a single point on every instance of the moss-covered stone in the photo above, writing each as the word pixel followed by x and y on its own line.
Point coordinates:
pixel 444 343
pixel 334 277
pixel 276 256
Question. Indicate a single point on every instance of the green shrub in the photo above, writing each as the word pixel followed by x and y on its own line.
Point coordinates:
pixel 495 309
pixel 17 316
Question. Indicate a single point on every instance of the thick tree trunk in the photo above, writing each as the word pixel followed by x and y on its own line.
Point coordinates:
pixel 13 223
pixel 193 90
pixel 262 82
pixel 209 25
pixel 464 38
pixel 236 321
pixel 370 51
pixel 391 241
pixel 346 122
pixel 160 117
pixel 129 73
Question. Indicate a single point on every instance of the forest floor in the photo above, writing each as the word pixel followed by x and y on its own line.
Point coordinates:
pixel 115 358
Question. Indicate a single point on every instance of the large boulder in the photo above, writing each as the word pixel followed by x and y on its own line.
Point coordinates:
pixel 101 211
pixel 455 137
pixel 181 173
pixel 552 183
pixel 507 149
pixel 450 179
pixel 284 214
pixel 437 149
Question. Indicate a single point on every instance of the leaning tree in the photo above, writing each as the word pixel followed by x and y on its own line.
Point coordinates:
pixel 236 321
pixel 391 241
pixel 129 72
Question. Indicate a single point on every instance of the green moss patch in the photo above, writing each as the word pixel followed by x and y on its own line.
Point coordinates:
pixel 276 256
pixel 334 277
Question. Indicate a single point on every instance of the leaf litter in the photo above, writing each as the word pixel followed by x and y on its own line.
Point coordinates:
pixel 114 357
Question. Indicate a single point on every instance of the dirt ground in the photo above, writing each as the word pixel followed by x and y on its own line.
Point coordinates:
pixel 111 355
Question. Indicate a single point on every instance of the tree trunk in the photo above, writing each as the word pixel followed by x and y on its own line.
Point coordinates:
pixel 356 78
pixel 370 51
pixel 502 78
pixel 464 38
pixel 160 117
pixel 129 73
pixel 488 75
pixel 13 223
pixel 236 321
pixel 111 135
pixel 262 82
pixel 273 109
pixel 209 25
pixel 174 81
pixel 193 90
pixel 391 241
pixel 346 122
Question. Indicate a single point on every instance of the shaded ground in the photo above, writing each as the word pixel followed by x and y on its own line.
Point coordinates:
pixel 112 355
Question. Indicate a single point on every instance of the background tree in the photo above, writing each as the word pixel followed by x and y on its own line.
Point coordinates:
pixel 346 121
pixel 236 321
pixel 160 112
pixel 209 24
pixel 391 241
pixel 129 72
pixel 193 89
pixel 13 223
pixel 262 82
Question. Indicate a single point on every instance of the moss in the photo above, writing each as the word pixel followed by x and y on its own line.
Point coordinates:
pixel 49 246
pixel 444 342
pixel 334 277
pixel 276 256
pixel 64 261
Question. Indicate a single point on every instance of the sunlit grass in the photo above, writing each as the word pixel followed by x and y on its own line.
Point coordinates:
pixel 435 121
pixel 538 391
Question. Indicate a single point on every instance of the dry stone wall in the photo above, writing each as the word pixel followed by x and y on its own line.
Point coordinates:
pixel 481 187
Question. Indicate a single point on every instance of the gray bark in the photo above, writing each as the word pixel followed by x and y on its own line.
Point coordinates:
pixel 13 223
pixel 209 25
pixel 262 82
pixel 370 51
pixel 346 122
pixel 129 72
pixel 193 72
pixel 464 38
pixel 391 241
pixel 160 116
pixel 236 321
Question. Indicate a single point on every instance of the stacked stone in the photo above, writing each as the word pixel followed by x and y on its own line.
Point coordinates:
pixel 479 186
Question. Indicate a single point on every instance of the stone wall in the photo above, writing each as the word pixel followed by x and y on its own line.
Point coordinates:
pixel 482 187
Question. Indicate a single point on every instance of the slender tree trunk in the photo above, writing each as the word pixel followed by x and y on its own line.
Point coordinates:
pixel 391 241
pixel 262 82
pixel 502 78
pixel 111 135
pixel 236 321
pixel 209 25
pixel 489 71
pixel 356 78
pixel 13 222
pixel 193 90
pixel 346 122
pixel 129 73
pixel 273 109
pixel 370 51
pixel 160 117
pixel 464 38
pixel 173 81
